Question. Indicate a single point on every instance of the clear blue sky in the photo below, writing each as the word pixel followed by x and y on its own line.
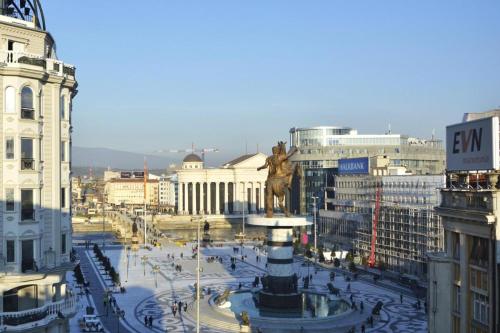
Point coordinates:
pixel 162 74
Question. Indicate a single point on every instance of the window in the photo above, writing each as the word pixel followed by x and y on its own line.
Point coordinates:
pixel 9 148
pixel 10 100
pixel 27 110
pixel 480 307
pixel 63 107
pixel 9 199
pixel 63 243
pixel 27 161
pixel 63 197
pixel 63 151
pixel 27 206
pixel 11 251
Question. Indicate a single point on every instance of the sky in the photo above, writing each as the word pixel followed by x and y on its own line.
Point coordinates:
pixel 236 74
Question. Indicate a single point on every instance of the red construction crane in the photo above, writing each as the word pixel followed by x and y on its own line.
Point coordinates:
pixel 378 194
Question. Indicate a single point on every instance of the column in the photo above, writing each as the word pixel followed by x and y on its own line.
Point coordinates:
pixel 209 198
pixel 180 207
pixel 217 198
pixel 186 198
pixel 243 195
pixel 464 277
pixel 236 197
pixel 226 197
pixel 254 196
pixel 202 202
pixel 195 204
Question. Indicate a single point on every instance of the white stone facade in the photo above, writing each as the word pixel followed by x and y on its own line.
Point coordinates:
pixel 36 92
pixel 230 189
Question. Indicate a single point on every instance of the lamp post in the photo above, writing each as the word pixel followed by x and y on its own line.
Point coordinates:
pixel 120 314
pixel 144 260
pixel 156 270
pixel 128 261
pixel 198 270
pixel 315 229
pixel 103 221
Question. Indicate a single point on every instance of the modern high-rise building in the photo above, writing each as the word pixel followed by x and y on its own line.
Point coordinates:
pixel 320 148
pixel 35 135
pixel 464 280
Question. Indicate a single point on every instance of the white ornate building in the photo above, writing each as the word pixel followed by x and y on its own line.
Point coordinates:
pixel 36 90
pixel 229 189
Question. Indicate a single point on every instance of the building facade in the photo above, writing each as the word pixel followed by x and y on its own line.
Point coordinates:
pixel 464 279
pixel 234 187
pixel 129 192
pixel 321 148
pixel 407 226
pixel 167 193
pixel 35 215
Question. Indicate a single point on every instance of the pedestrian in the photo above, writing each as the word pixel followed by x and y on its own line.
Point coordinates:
pixel 361 306
pixel 351 297
pixel 105 301
pixel 401 298
pixel 185 307
pixel 363 329
pixel 239 285
pixel 146 321
pixel 180 306
pixel 150 321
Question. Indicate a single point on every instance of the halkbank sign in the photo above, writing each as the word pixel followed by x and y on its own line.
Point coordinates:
pixel 354 166
pixel 473 145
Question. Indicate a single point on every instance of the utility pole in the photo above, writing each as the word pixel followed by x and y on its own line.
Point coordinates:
pixel 315 229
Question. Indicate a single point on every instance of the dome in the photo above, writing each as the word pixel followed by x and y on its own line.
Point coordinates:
pixel 192 158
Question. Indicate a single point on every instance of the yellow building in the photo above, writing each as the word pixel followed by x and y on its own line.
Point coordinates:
pixel 129 192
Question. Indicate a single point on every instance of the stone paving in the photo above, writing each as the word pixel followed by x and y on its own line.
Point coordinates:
pixel 143 298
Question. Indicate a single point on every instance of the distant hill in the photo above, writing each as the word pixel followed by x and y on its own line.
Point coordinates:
pixel 101 158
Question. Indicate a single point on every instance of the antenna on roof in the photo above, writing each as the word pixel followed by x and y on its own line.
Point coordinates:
pixel 246 147
pixel 389 131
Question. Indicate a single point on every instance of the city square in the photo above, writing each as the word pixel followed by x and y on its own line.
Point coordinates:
pixel 146 297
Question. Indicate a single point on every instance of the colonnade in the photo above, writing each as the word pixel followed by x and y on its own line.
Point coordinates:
pixel 213 198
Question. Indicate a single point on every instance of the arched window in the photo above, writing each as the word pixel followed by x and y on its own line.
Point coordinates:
pixel 10 100
pixel 27 111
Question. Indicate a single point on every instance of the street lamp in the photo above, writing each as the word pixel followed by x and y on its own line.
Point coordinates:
pixel 315 228
pixel 128 261
pixel 103 221
pixel 144 261
pixel 198 270
pixel 120 314
pixel 156 270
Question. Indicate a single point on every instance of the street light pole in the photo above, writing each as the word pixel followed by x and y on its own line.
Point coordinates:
pixel 315 228
pixel 103 222
pixel 198 281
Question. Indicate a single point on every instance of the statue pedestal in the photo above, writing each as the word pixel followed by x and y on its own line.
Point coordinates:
pixel 280 285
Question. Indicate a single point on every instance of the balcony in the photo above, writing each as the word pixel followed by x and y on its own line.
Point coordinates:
pixel 27 164
pixel 53 66
pixel 27 113
pixel 25 320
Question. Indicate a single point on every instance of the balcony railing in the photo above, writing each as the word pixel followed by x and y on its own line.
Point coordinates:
pixel 53 65
pixel 27 164
pixel 24 320
pixel 27 113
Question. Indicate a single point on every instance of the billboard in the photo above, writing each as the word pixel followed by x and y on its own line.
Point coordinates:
pixel 125 174
pixel 139 174
pixel 354 166
pixel 473 145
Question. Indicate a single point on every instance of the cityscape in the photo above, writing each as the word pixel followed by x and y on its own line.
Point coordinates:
pixel 211 204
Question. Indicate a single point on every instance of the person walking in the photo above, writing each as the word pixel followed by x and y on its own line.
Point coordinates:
pixel 146 321
pixel 105 302
pixel 150 321
pixel 361 306
pixel 401 298
pixel 363 328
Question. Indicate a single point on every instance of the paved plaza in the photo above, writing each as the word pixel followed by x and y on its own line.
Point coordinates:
pixel 150 294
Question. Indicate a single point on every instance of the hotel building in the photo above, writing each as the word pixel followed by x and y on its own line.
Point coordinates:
pixel 36 96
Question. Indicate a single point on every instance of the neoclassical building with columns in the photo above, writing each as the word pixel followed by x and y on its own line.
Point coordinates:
pixel 229 189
